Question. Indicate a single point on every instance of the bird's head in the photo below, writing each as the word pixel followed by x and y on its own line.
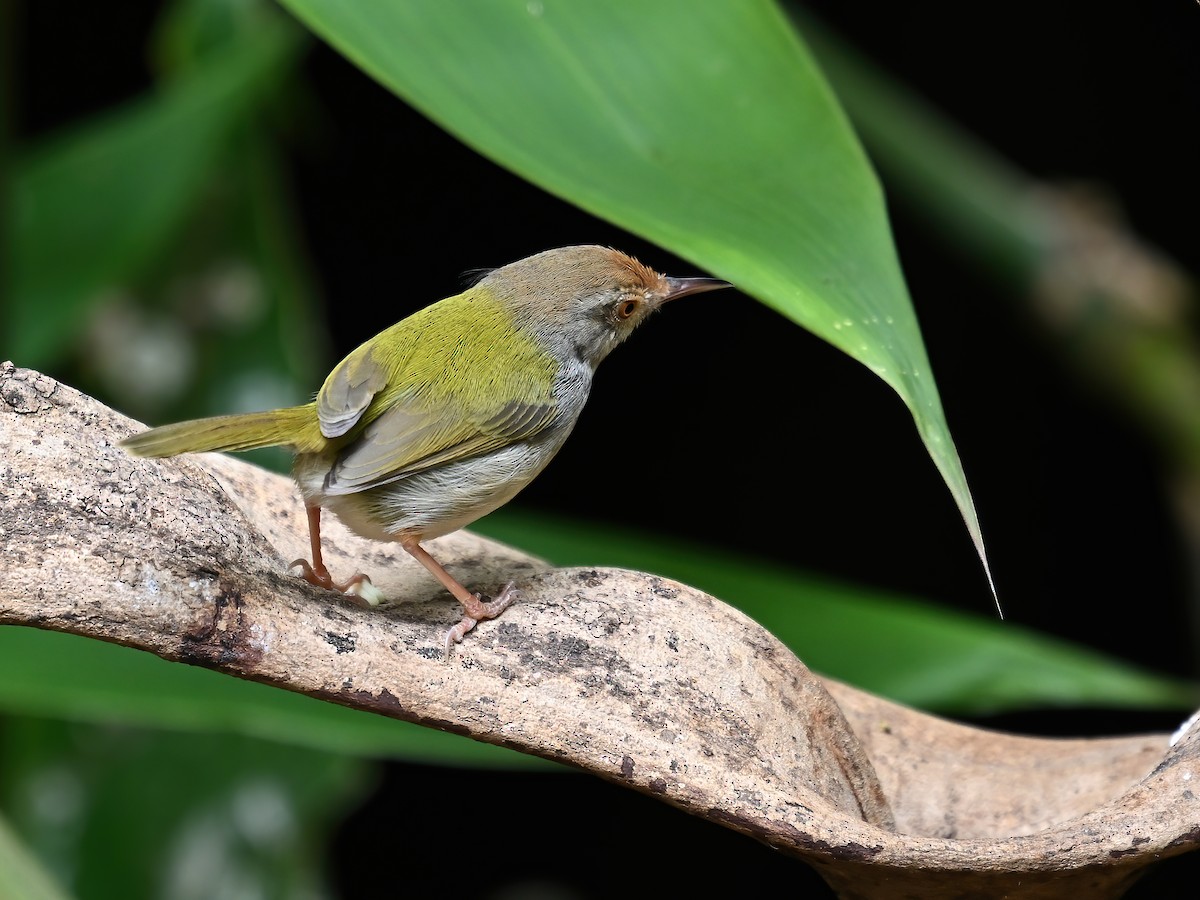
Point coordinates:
pixel 586 299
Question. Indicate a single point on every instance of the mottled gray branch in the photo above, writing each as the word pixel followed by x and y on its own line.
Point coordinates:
pixel 635 678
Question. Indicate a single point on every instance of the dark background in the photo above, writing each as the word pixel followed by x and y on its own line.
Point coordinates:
pixel 752 433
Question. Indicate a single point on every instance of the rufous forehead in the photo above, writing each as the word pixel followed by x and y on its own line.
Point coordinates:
pixel 575 272
pixel 639 275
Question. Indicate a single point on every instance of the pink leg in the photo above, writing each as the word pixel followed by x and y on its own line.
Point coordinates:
pixel 474 607
pixel 316 573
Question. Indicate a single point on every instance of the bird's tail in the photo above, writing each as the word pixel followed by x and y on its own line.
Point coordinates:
pixel 247 431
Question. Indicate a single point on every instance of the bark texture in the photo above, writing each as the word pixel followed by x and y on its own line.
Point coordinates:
pixel 635 678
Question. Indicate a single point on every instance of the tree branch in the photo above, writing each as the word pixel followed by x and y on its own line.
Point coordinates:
pixel 641 680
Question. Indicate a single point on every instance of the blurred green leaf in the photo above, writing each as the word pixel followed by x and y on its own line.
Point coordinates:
pixel 704 127
pixel 187 33
pixel 48 674
pixel 169 815
pixel 110 195
pixel 890 645
pixel 21 874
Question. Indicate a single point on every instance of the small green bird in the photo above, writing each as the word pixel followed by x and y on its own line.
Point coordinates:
pixel 446 415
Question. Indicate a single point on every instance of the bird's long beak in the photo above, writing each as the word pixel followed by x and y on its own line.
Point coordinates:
pixel 681 287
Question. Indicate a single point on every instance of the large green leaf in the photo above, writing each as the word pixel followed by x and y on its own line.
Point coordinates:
pixel 705 127
pixel 92 208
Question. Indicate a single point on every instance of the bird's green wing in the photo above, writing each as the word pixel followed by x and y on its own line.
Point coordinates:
pixel 406 439
pixel 396 406
pixel 348 391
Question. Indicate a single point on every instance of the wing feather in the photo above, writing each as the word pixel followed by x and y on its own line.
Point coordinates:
pixel 404 440
pixel 395 407
pixel 348 392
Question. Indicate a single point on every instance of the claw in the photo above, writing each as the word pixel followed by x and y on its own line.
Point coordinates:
pixel 458 632
pixel 359 588
pixel 318 576
pixel 480 609
pixel 477 611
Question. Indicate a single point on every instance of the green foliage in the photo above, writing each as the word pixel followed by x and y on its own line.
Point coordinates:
pixel 173 815
pixel 152 258
pixel 110 196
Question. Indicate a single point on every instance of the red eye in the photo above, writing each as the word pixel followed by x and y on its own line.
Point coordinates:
pixel 627 308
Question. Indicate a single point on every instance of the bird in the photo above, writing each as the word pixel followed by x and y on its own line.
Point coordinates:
pixel 446 415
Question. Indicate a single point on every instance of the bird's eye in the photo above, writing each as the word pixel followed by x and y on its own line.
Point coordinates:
pixel 627 308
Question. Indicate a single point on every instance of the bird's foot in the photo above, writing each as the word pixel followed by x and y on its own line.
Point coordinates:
pixel 359 588
pixel 477 611
pixel 318 576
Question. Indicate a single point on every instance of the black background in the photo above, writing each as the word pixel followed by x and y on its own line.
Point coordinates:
pixel 750 431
